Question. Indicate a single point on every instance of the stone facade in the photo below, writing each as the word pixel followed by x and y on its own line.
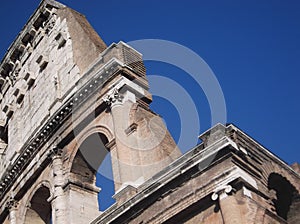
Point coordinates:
pixel 229 178
pixel 67 100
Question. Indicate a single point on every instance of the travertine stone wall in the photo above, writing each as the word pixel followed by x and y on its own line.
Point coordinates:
pixel 51 64
pixel 56 74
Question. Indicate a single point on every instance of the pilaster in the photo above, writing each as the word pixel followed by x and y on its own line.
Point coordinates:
pixel 12 206
pixel 58 201
pixel 230 210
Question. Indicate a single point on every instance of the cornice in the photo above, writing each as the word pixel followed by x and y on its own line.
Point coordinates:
pixel 32 147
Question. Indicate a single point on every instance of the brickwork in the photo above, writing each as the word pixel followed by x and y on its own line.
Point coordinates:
pixel 296 167
pixel 227 190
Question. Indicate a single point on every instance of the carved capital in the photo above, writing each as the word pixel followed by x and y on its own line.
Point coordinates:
pixel 113 98
pixel 221 192
pixel 11 204
pixel 55 152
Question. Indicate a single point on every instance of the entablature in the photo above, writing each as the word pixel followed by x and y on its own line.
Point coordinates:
pixel 80 94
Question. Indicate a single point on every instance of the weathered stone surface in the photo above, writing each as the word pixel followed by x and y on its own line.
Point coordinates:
pixel 62 113
pixel 296 167
pixel 53 98
pixel 233 187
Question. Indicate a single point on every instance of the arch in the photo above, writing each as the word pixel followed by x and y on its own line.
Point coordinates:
pixel 84 135
pixel 286 199
pixel 90 153
pixel 38 185
pixel 89 156
pixel 39 210
pixel 269 167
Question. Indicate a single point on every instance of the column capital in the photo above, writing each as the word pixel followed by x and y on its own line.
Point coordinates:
pixel 113 98
pixel 55 151
pixel 11 204
pixel 221 192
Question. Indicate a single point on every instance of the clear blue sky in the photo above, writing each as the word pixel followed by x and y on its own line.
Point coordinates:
pixel 253 48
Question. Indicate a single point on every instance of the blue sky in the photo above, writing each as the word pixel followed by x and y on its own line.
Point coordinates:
pixel 253 48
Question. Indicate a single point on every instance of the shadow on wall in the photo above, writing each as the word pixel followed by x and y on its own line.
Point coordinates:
pixel 39 210
pixel 286 198
pixel 94 154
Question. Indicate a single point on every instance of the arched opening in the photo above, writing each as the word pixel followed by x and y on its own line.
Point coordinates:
pixel 39 209
pixel 104 180
pixel 92 155
pixel 287 201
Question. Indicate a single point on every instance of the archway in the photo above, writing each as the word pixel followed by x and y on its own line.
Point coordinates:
pixel 287 201
pixel 39 209
pixel 90 155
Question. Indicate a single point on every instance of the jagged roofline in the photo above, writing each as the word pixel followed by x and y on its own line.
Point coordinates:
pixel 43 4
pixel 266 150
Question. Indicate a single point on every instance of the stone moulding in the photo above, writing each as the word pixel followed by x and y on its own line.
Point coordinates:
pixel 30 149
pixel 187 162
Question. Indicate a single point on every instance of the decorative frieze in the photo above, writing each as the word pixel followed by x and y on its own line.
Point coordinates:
pixel 29 150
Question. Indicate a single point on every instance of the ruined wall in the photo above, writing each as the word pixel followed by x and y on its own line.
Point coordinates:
pixel 52 54
pixel 229 178
pixel 55 75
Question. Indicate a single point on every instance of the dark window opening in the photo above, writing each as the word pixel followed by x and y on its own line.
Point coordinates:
pixel 39 209
pixel 286 202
